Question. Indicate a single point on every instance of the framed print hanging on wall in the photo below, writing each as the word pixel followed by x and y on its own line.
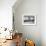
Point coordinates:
pixel 29 19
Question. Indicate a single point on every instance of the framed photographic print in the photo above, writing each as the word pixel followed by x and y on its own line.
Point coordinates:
pixel 29 19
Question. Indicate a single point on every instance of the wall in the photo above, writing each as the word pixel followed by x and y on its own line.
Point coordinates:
pixel 43 22
pixel 28 7
pixel 6 13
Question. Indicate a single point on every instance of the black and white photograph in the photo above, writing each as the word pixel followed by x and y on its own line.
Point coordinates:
pixel 29 20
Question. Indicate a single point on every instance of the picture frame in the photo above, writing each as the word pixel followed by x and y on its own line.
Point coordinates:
pixel 29 19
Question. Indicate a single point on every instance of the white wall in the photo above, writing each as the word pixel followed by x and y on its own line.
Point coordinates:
pixel 37 32
pixel 6 13
pixel 43 22
pixel 29 7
